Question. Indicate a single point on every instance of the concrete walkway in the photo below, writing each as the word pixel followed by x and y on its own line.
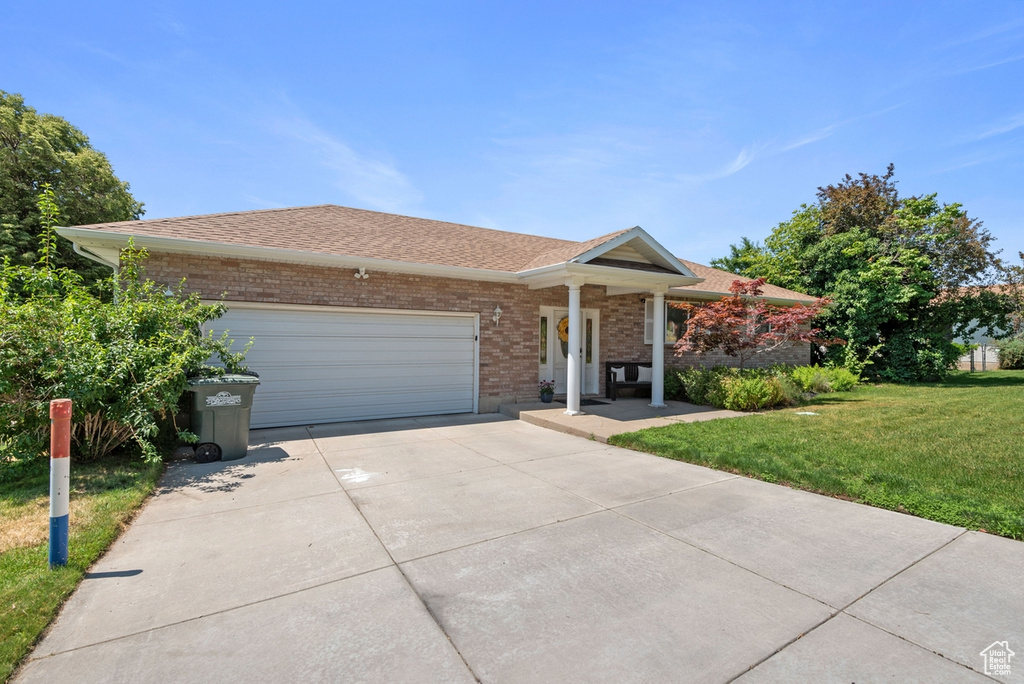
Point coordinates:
pixel 626 414
pixel 482 548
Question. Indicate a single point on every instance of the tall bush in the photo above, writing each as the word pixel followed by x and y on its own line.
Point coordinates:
pixel 122 360
pixel 1011 354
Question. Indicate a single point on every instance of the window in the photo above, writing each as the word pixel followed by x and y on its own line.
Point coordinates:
pixel 544 339
pixel 590 340
pixel 675 322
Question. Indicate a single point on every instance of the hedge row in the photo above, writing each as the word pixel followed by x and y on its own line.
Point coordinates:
pixel 755 388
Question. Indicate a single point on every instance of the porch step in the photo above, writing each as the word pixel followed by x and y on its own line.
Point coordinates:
pixel 550 417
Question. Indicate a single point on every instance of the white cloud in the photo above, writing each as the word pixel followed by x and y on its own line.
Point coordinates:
pixel 1005 126
pixel 971 68
pixel 742 160
pixel 370 181
pixel 812 137
pixel 826 131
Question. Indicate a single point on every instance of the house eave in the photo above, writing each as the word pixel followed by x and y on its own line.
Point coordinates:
pixel 710 295
pixel 104 246
pixel 646 281
pixel 92 241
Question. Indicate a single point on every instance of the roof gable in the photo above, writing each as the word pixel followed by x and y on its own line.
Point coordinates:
pixel 631 249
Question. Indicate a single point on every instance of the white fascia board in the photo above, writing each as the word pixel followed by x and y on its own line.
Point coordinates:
pixel 707 294
pixel 609 275
pixel 94 239
pixel 666 257
pixel 617 290
pixel 646 281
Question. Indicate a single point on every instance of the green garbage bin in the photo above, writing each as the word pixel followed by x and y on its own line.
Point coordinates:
pixel 220 415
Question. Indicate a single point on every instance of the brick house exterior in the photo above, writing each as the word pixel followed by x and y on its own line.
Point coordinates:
pixel 507 350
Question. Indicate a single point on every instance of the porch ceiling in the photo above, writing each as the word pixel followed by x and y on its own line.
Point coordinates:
pixel 618 280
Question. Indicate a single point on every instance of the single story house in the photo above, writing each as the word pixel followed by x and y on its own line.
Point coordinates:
pixel 360 314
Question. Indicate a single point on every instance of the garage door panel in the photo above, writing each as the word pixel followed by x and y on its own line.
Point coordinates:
pixel 349 350
pixel 423 384
pixel 313 380
pixel 313 325
pixel 355 408
pixel 320 366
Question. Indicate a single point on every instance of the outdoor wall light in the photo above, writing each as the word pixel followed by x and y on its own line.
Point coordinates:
pixel 361 273
pixel 497 315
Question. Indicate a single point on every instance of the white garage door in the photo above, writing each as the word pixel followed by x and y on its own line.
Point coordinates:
pixel 318 365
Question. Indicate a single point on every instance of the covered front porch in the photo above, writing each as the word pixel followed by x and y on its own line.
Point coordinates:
pixel 627 265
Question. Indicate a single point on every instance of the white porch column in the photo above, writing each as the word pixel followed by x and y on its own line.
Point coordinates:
pixel 657 352
pixel 574 373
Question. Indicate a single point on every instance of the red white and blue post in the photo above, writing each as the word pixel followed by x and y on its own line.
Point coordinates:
pixel 60 480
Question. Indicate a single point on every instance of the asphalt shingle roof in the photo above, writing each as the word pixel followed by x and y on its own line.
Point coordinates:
pixel 330 229
pixel 717 280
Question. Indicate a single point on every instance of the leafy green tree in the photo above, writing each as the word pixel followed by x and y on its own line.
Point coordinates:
pixel 123 361
pixel 42 148
pixel 905 275
pixel 741 257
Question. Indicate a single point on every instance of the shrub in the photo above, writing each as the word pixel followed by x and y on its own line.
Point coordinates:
pixel 1011 353
pixel 750 393
pixel 700 384
pixel 812 379
pixel 123 362
pixel 674 388
pixel 841 379
pixel 791 392
pixel 739 390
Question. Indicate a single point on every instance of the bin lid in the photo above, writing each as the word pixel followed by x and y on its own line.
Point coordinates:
pixel 229 379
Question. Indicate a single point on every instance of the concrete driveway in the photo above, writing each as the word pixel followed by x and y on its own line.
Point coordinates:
pixel 483 548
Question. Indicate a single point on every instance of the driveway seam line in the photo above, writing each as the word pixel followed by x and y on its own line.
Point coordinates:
pixel 609 508
pixel 902 570
pixel 844 609
pixel 501 536
pixel 240 508
pixel 781 648
pixel 397 567
pixel 917 645
pixel 621 514
pixel 828 605
pixel 210 614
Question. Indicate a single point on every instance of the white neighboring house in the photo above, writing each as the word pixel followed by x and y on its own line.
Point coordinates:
pixel 984 357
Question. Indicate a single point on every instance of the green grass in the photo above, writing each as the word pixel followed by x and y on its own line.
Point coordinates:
pixel 104 497
pixel 951 452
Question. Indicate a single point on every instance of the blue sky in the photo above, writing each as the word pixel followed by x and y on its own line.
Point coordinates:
pixel 701 122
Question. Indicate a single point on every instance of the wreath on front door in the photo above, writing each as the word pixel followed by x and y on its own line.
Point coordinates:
pixel 563 335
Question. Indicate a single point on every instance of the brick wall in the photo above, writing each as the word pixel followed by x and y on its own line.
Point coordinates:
pixel 508 352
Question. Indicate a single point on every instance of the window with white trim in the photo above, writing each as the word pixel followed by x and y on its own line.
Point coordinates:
pixel 675 322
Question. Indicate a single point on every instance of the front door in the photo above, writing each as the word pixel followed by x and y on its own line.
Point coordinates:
pixel 554 348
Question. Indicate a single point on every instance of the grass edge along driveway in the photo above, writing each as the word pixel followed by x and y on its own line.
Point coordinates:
pixel 105 497
pixel 952 452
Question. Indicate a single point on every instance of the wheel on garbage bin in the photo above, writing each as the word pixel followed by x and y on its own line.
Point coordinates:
pixel 207 453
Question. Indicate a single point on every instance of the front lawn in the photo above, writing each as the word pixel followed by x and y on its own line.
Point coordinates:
pixel 951 452
pixel 104 496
